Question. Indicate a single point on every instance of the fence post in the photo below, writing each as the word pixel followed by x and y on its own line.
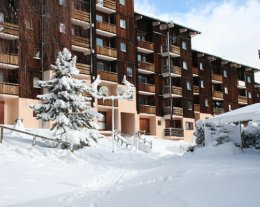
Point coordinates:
pixel 1 135
pixel 34 140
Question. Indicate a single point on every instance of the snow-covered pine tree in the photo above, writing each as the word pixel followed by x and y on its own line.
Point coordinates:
pixel 64 103
pixel 199 134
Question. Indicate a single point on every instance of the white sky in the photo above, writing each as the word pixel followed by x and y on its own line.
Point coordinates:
pixel 230 29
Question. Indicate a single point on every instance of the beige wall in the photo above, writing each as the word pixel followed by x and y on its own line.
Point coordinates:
pixel 11 111
pixel 188 134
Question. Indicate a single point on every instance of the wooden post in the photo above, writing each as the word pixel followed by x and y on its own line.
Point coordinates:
pixel 34 140
pixel 1 136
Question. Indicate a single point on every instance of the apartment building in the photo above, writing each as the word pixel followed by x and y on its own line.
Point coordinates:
pixel 174 85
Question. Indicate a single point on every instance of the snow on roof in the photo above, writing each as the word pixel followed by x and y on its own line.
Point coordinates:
pixel 247 113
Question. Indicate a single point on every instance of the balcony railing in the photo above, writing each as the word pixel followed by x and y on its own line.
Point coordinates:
pixel 9 59
pixel 83 68
pixel 173 49
pixel 174 70
pixel 107 3
pixel 10 29
pixel 147 87
pixel 80 41
pixel 174 132
pixel 108 76
pixel 106 51
pixel 218 94
pixel 105 26
pixel 196 89
pixel 195 71
pixel 107 102
pixel 81 15
pixel 9 88
pixel 196 107
pixel 217 77
pixel 175 111
pixel 146 45
pixel 175 90
pixel 218 111
pixel 146 66
pixel 146 109
pixel 242 99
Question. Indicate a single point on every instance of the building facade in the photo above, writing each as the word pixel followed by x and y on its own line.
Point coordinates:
pixel 174 84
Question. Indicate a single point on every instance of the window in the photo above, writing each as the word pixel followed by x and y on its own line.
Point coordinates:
pixel 184 65
pixel 28 24
pixel 159 123
pixel 229 107
pixel 139 57
pixel 122 2
pixel 102 121
pixel 61 2
pixel 1 76
pixel 37 55
pixel 201 83
pixel 248 79
pixel 226 90
pixel 122 47
pixel 2 17
pixel 35 82
pixel 206 102
pixel 122 23
pixel 225 73
pixel 249 95
pixel 129 72
pixel 62 28
pixel 100 66
pixel 189 105
pixel 100 42
pixel 184 45
pixel 201 66
pixel 188 85
pixel 189 125
pixel 99 18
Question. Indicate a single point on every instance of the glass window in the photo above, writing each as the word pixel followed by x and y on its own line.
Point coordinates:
pixel 184 65
pixel 188 86
pixel 249 95
pixel 122 23
pixel 201 66
pixel 100 42
pixel 99 18
pixel 248 79
pixel 139 57
pixel 226 90
pixel 206 102
pixel 100 66
pixel 62 28
pixel 102 121
pixel 2 19
pixel 1 76
pixel 201 83
pixel 122 2
pixel 184 45
pixel 129 72
pixel 35 82
pixel 225 73
pixel 61 2
pixel 229 107
pixel 122 47
pixel 189 125
pixel 189 104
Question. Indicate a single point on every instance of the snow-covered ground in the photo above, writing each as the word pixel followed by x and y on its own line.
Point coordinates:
pixel 95 177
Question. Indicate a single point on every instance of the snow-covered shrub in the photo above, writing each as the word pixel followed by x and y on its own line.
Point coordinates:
pixel 251 135
pixel 199 134
pixel 221 135
pixel 64 104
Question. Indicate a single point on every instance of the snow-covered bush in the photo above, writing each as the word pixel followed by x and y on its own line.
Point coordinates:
pixel 64 103
pixel 199 134
pixel 251 135
pixel 221 135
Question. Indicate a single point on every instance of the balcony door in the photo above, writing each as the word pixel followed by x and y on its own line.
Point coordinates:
pixel 2 112
pixel 145 125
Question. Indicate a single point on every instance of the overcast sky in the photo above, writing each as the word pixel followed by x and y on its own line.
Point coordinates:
pixel 230 28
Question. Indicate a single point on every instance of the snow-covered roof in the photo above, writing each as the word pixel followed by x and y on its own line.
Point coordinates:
pixel 247 113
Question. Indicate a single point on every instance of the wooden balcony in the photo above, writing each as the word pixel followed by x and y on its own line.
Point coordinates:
pixel 195 71
pixel 81 16
pixel 175 90
pixel 218 94
pixel 242 99
pixel 174 132
pixel 145 46
pixel 146 109
pixel 10 31
pixel 218 111
pixel 107 6
pixel 80 41
pixel 196 89
pixel 217 77
pixel 102 102
pixel 106 51
pixel 108 76
pixel 84 69
pixel 150 88
pixel 148 67
pixel 107 27
pixel 9 89
pixel 8 61
pixel 175 71
pixel 175 51
pixel 197 107
pixel 177 111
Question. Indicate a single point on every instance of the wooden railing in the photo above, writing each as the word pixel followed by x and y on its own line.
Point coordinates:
pixel 81 15
pixel 9 88
pixel 9 59
pixel 107 51
pixel 175 111
pixel 146 87
pixel 107 102
pixel 173 49
pixel 146 45
pixel 9 28
pixel 218 94
pixel 83 68
pixel 105 26
pixel 218 111
pixel 146 66
pixel 175 90
pixel 174 132
pixel 242 99
pixel 195 71
pixel 146 109
pixel 174 69
pixel 80 41
pixel 196 107
pixel 196 89
pixel 217 77
pixel 107 3
pixel 108 76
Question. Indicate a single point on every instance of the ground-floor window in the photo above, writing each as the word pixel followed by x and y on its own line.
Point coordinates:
pixel 189 125
pixel 102 121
